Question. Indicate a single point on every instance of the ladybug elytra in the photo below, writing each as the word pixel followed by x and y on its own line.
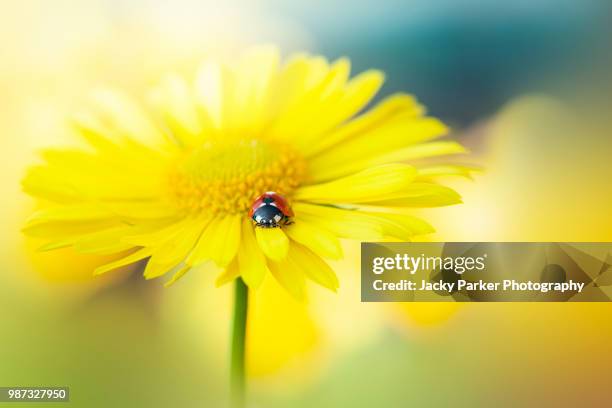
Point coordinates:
pixel 270 210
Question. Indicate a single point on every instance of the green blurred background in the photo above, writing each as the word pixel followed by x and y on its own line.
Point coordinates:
pixel 525 84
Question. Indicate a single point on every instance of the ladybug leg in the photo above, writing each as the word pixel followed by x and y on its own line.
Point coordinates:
pixel 287 221
pixel 260 224
pixel 265 225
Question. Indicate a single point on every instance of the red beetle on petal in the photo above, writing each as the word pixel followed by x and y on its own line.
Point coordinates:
pixel 270 210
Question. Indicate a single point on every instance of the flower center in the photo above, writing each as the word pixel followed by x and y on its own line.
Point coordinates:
pixel 225 177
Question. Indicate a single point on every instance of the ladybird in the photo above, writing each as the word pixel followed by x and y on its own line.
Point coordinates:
pixel 270 210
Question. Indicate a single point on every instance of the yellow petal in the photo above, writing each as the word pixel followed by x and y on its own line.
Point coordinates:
pixel 176 104
pixel 273 242
pixel 215 93
pixel 421 195
pixel 353 154
pixel 157 235
pixel 128 118
pixel 350 100
pixel 64 229
pixel 251 259
pixel 103 242
pixel 344 223
pixel 423 150
pixel 290 277
pixel 385 112
pixel 317 100
pixel 430 172
pixel 173 252
pixel 178 275
pixel 417 151
pixel 313 267
pixel 140 210
pixel 77 212
pixel 298 77
pixel 98 136
pixel 256 71
pixel 362 225
pixel 155 268
pixel 230 273
pixel 40 182
pixel 72 175
pixel 183 242
pixel 372 184
pixel 219 241
pixel 320 240
pixel 400 226
pixel 56 245
pixel 135 257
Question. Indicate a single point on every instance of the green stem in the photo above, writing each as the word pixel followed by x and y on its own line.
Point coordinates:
pixel 237 377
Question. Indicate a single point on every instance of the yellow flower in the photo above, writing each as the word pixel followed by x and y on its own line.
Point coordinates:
pixel 171 179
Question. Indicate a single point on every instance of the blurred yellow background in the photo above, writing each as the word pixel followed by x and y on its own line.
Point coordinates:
pixel 535 117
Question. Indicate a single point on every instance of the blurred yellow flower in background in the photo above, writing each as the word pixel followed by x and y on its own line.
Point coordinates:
pixel 172 179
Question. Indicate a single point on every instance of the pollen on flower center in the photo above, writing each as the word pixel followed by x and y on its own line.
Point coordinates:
pixel 225 177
